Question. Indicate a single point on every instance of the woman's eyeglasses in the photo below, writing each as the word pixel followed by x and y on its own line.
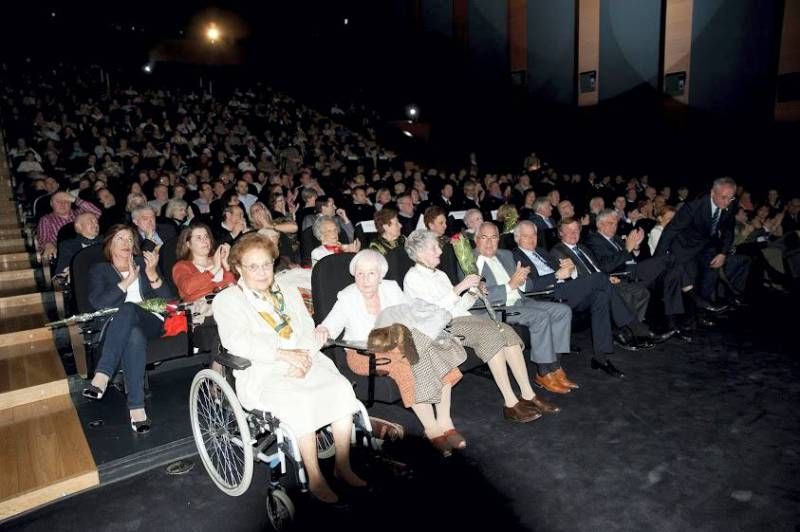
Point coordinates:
pixel 255 268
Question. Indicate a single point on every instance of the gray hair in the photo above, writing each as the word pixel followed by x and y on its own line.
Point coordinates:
pixel 520 225
pixel 308 193
pixel 173 204
pixel 606 213
pixel 724 182
pixel 487 224
pixel 418 240
pixel 317 227
pixel 369 256
pixel 470 213
pixel 137 211
pixel 540 202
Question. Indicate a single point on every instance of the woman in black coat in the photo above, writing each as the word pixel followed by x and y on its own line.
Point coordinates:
pixel 123 281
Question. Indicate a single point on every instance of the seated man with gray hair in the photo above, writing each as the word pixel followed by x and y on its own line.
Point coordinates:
pixel 550 324
pixel 151 234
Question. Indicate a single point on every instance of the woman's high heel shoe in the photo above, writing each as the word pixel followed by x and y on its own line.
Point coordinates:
pixel 93 392
pixel 141 427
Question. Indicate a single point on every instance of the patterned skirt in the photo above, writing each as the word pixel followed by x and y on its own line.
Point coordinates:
pixel 483 335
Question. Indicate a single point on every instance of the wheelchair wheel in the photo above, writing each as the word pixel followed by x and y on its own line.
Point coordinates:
pixel 280 509
pixel 221 432
pixel 325 445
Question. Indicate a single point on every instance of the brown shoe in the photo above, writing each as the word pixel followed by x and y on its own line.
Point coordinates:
pixel 441 444
pixel 563 380
pixel 520 413
pixel 540 405
pixel 550 383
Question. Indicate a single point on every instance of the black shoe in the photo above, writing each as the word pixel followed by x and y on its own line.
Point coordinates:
pixel 607 367
pixel 655 338
pixel 634 344
pixel 684 336
pixel 707 323
pixel 710 307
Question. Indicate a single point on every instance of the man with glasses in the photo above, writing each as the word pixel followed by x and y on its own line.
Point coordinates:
pixel 550 324
pixel 700 236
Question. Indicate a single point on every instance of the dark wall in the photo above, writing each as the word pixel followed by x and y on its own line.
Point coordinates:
pixel 735 45
pixel 487 31
pixel 630 34
pixel 551 50
pixel 437 16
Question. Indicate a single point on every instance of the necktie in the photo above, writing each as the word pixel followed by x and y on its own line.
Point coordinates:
pixel 715 221
pixel 614 243
pixel 584 260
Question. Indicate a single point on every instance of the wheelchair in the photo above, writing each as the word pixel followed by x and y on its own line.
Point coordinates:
pixel 230 439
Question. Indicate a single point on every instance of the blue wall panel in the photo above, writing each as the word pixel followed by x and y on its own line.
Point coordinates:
pixel 487 34
pixel 630 34
pixel 551 50
pixel 735 46
pixel 437 16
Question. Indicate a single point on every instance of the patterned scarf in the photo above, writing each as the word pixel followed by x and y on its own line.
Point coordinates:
pixel 271 307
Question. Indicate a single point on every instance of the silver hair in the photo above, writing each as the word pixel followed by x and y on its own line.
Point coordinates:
pixel 140 209
pixel 317 227
pixel 367 256
pixel 470 213
pixel 724 182
pixel 520 225
pixel 173 204
pixel 540 202
pixel 487 224
pixel 606 213
pixel 418 240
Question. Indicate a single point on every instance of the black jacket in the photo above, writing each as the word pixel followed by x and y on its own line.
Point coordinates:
pixel 104 292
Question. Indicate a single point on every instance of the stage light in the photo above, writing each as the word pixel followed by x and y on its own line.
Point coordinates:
pixel 148 68
pixel 408 133
pixel 213 33
pixel 346 21
pixel 412 112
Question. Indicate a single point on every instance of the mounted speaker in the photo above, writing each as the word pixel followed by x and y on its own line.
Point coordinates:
pixel 588 81
pixel 675 83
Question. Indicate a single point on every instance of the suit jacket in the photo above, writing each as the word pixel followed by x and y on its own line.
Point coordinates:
pixel 547 236
pixel 104 292
pixel 537 281
pixel 609 258
pixel 497 292
pixel 561 251
pixel 689 232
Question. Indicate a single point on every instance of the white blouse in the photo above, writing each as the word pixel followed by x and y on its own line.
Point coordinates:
pixel 350 315
pixel 435 287
pixel 134 292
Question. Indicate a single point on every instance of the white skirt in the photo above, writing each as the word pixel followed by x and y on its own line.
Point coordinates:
pixel 323 396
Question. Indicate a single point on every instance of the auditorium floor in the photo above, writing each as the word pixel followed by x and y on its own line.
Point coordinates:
pixel 697 437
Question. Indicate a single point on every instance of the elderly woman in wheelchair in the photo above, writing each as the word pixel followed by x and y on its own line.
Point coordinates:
pixel 422 386
pixel 269 326
pixel 124 280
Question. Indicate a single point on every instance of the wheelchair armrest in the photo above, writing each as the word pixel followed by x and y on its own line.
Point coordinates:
pixel 541 293
pixel 231 361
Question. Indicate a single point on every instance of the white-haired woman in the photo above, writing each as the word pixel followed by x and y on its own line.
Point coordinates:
pixel 326 230
pixel 497 347
pixel 355 312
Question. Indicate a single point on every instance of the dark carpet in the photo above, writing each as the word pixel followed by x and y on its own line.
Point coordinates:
pixel 702 436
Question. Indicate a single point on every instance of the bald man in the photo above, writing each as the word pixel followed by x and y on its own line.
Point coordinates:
pixel 63 213
pixel 87 233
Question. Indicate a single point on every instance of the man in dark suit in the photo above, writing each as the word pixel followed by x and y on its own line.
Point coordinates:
pixel 594 293
pixel 586 264
pixel 87 229
pixel 545 226
pixel 614 254
pixel 150 233
pixel 700 236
